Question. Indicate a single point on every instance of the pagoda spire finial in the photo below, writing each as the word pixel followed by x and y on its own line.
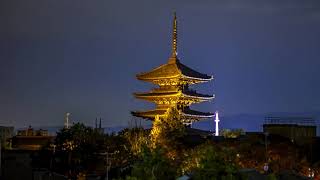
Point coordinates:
pixel 174 36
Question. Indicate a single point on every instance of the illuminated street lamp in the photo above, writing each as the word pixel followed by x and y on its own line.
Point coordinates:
pixel 53 146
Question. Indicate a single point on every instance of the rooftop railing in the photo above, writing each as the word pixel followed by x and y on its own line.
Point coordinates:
pixel 290 120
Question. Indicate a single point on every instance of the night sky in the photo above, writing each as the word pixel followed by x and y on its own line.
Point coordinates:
pixel 81 56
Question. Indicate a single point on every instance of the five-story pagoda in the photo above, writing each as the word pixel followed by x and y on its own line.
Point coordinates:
pixel 173 80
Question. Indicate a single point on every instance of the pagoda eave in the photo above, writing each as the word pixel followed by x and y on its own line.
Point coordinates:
pixel 176 80
pixel 209 115
pixel 196 78
pixel 186 115
pixel 149 114
pixel 173 94
pixel 204 97
pixel 143 78
pixel 179 76
pixel 158 97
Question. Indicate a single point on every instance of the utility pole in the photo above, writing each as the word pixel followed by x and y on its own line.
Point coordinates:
pixel 266 166
pixel 53 154
pixel 107 166
pixel 0 158
pixel 108 163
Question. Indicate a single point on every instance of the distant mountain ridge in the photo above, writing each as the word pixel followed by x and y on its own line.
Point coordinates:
pixel 250 122
pixel 247 122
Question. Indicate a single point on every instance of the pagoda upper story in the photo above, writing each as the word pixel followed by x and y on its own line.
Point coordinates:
pixel 174 72
pixel 173 80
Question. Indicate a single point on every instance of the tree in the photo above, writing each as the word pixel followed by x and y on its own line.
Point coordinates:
pixel 167 133
pixel 227 133
pixel 153 165
pixel 137 138
pixel 76 147
pixel 209 162
pixel 83 149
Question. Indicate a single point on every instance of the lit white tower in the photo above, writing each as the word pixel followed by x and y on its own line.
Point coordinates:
pixel 66 120
pixel 217 123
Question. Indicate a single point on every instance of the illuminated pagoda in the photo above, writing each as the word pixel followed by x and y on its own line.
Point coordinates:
pixel 173 80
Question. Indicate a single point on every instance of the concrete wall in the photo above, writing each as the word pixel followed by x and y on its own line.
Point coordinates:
pixel 291 131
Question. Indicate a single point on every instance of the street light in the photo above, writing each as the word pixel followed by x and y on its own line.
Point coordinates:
pixel 53 153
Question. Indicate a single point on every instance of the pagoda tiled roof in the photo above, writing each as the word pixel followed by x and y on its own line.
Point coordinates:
pixel 162 93
pixel 150 113
pixel 186 112
pixel 190 112
pixel 173 69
